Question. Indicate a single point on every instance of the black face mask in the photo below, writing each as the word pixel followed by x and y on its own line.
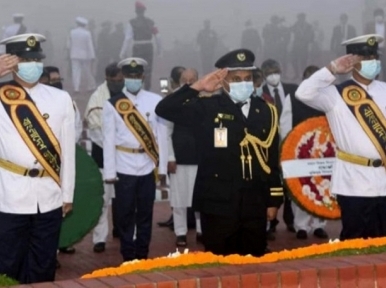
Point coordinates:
pixel 58 85
pixel 115 87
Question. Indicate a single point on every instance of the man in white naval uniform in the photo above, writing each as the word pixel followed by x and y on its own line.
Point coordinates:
pixel 112 86
pixel 356 111
pixel 37 165
pixel 134 144
pixel 82 54
pixel 182 168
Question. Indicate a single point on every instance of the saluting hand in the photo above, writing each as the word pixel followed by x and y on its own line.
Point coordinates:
pixel 7 62
pixel 344 64
pixel 211 82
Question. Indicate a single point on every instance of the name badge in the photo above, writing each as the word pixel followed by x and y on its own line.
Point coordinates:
pixel 220 137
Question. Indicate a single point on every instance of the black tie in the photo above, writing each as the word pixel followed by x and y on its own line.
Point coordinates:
pixel 240 106
pixel 278 104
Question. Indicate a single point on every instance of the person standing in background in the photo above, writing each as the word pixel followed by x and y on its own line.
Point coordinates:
pixel 302 40
pixel 16 28
pixel 141 31
pixel 207 44
pixel 112 86
pixel 82 55
pixel 378 26
pixel 103 51
pixel 250 39
pixel 341 33
pixel 295 112
pixel 182 169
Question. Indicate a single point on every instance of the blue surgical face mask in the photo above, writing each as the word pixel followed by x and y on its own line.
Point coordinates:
pixel 30 72
pixel 370 69
pixel 240 91
pixel 259 91
pixel 133 85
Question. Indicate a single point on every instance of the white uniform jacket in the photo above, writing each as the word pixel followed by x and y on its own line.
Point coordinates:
pixel 93 113
pixel 348 179
pixel 80 44
pixel 115 132
pixel 25 195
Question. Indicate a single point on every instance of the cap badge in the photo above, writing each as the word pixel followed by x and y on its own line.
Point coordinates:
pixel 31 41
pixel 133 64
pixel 371 41
pixel 241 57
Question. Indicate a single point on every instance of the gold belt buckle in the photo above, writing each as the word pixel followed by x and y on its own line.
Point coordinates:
pixel 376 163
pixel 33 173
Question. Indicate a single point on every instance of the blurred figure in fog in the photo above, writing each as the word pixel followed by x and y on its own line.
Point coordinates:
pixel 207 43
pixel 16 28
pixel 302 40
pixel 276 39
pixel 82 54
pixel 250 39
pixel 317 44
pixel 48 47
pixel 341 33
pixel 141 31
pixel 378 26
pixel 116 40
pixel 103 52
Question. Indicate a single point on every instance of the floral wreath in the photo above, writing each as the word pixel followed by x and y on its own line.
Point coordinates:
pixel 311 139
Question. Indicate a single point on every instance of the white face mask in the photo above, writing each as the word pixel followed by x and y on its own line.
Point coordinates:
pixel 273 79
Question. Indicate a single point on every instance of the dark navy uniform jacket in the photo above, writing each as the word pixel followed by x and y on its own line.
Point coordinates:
pixel 219 176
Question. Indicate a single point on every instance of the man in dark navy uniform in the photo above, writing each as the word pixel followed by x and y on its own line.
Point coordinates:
pixel 237 137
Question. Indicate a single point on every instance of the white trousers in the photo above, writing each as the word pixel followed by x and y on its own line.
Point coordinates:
pixel 180 221
pixel 101 230
pixel 82 67
pixel 305 221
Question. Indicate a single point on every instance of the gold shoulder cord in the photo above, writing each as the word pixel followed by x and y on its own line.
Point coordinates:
pixel 259 146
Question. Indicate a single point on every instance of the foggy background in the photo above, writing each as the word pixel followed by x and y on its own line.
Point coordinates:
pixel 179 22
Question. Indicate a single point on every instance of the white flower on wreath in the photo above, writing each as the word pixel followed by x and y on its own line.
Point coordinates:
pixel 306 190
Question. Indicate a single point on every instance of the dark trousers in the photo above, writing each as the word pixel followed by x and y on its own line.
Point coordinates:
pixel 145 51
pixel 362 217
pixel 288 215
pixel 243 232
pixel 28 245
pixel 134 198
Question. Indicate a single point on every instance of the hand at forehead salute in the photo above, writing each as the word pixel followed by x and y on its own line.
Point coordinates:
pixel 211 82
pixel 344 64
pixel 7 62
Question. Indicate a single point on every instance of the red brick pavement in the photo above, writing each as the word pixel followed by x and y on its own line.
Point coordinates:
pixel 163 242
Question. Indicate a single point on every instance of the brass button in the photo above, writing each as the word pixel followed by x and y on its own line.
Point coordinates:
pixel 216 175
pixel 263 130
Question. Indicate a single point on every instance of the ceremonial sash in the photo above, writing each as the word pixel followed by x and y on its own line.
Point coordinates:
pixel 367 113
pixel 137 125
pixel 32 127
